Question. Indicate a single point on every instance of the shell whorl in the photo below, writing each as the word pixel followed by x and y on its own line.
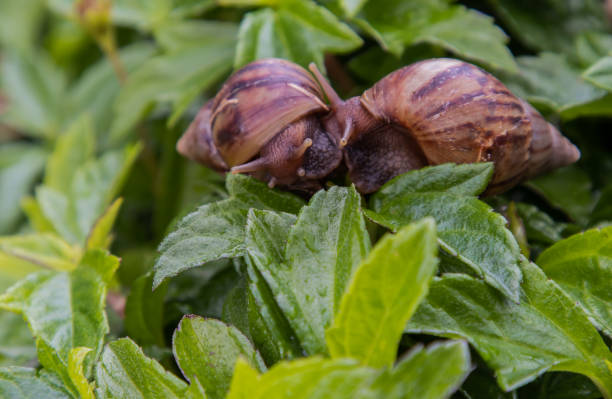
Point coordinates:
pixel 257 102
pixel 197 143
pixel 549 148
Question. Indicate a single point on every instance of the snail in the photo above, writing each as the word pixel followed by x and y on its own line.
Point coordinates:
pixel 269 119
pixel 264 122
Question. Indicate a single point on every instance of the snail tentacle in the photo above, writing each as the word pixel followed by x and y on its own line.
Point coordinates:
pixel 348 130
pixel 250 167
pixel 306 144
pixel 272 182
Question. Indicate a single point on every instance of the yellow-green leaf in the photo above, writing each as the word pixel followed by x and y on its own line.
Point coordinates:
pixel 206 351
pixel 519 341
pixel 383 294
pixel 582 266
pixel 77 374
pixel 125 372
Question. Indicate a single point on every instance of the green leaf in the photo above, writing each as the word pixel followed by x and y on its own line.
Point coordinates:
pixel 568 189
pixel 311 377
pixel 600 73
pixel 596 108
pixel 150 14
pixel 551 81
pixel 592 46
pixel 550 25
pixel 35 215
pixel 324 248
pixel 206 351
pixel 539 225
pixel 560 385
pixel 35 88
pixel 259 38
pixel 40 250
pixel 216 230
pixel 603 208
pixel 391 30
pixel 426 373
pixel 24 383
pixel 103 263
pixel 176 77
pixel 97 183
pixel 582 266
pixel 94 186
pixel 467 233
pixel 100 233
pixel 235 309
pixel 244 380
pixel 480 384
pixel 181 33
pixel 13 269
pixel 20 167
pixel 204 290
pixel 373 64
pixel 464 32
pixel 329 236
pixel 516 226
pixel 266 251
pixel 65 310
pixel 200 186
pixel 213 231
pixel 256 194
pixel 144 312
pixel 546 331
pixel 431 373
pixel 20 26
pixel 125 372
pixel 143 15
pixel 76 359
pixel 383 294
pixel 16 341
pixel 352 7
pixel 298 30
pixel 268 326
pixel 57 210
pixel 463 179
pixel 469 34
pixel 195 391
pixel 72 150
pixel 246 3
pixel 97 89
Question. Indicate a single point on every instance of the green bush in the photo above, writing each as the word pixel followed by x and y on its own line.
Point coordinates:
pixel 129 272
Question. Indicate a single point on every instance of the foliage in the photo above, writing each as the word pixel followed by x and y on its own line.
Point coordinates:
pixel 224 288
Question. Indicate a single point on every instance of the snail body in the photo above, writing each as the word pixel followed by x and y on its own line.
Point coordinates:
pixel 269 120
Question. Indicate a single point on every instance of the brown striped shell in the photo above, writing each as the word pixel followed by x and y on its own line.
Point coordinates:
pixel 445 110
pixel 263 122
pixel 257 102
pixel 197 142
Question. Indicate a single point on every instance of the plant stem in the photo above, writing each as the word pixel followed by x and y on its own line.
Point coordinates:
pixel 108 45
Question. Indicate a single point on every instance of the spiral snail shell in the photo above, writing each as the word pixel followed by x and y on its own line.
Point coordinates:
pixel 444 110
pixel 263 121
pixel 269 119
